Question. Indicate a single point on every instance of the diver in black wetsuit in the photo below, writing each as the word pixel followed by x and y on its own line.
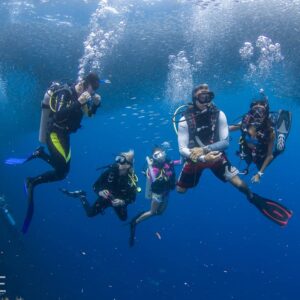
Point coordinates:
pixel 65 107
pixel 116 187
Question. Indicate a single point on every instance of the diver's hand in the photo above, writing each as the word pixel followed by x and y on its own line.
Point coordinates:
pixel 117 202
pixel 255 178
pixel 84 97
pixel 196 153
pixel 213 156
pixel 104 194
pixel 97 99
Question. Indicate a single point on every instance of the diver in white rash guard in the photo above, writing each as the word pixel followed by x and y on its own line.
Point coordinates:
pixel 203 137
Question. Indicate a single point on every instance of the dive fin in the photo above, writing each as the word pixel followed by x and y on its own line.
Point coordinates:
pixel 30 208
pixel 74 194
pixel 284 122
pixel 15 161
pixel 20 161
pixel 132 233
pixel 272 210
pixel 133 225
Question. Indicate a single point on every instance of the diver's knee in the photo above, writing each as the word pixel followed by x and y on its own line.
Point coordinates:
pixel 62 173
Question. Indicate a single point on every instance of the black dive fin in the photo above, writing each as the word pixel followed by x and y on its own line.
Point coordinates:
pixel 20 161
pixel 30 208
pixel 272 210
pixel 73 194
pixel 132 225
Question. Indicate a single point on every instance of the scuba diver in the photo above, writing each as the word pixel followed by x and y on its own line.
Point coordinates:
pixel 161 179
pixel 63 108
pixel 263 135
pixel 203 136
pixel 116 187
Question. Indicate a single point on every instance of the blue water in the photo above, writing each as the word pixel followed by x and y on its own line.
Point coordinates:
pixel 214 244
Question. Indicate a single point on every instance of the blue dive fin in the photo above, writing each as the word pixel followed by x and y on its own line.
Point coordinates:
pixel 20 161
pixel 15 161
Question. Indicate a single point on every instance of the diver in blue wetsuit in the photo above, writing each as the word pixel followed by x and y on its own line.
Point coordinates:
pixel 263 135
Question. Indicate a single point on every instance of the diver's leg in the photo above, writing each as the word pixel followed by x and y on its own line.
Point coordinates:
pixel 59 147
pixel 97 208
pixel 163 205
pixel 238 183
pixel 121 212
pixel 189 176
pixel 158 205
pixel 148 214
pixel 226 172
pixel 40 151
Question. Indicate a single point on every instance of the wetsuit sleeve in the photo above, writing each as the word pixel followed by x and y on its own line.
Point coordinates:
pixel 183 138
pixel 223 142
pixel 94 109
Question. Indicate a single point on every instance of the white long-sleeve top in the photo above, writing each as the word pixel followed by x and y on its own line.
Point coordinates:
pixel 183 137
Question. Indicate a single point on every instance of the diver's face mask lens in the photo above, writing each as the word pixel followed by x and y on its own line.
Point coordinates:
pixel 122 160
pixel 159 156
pixel 205 97
pixel 258 113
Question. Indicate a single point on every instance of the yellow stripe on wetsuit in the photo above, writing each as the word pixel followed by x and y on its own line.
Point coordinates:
pixel 58 146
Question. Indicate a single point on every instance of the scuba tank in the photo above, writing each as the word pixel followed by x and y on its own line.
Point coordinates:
pixel 148 192
pixel 52 102
pixel 44 118
pixel 46 111
pixel 6 213
pixel 9 217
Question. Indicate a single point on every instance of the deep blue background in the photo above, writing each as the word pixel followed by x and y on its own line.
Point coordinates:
pixel 214 244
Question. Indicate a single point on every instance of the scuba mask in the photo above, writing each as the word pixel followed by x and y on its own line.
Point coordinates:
pixel 159 156
pixel 204 97
pixel 122 160
pixel 258 113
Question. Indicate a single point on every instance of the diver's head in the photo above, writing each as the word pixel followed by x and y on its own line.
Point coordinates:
pixel 91 83
pixel 202 97
pixel 159 155
pixel 259 112
pixel 125 161
pixel 260 105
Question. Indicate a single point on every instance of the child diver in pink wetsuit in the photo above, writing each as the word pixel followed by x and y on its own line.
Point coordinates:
pixel 161 179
